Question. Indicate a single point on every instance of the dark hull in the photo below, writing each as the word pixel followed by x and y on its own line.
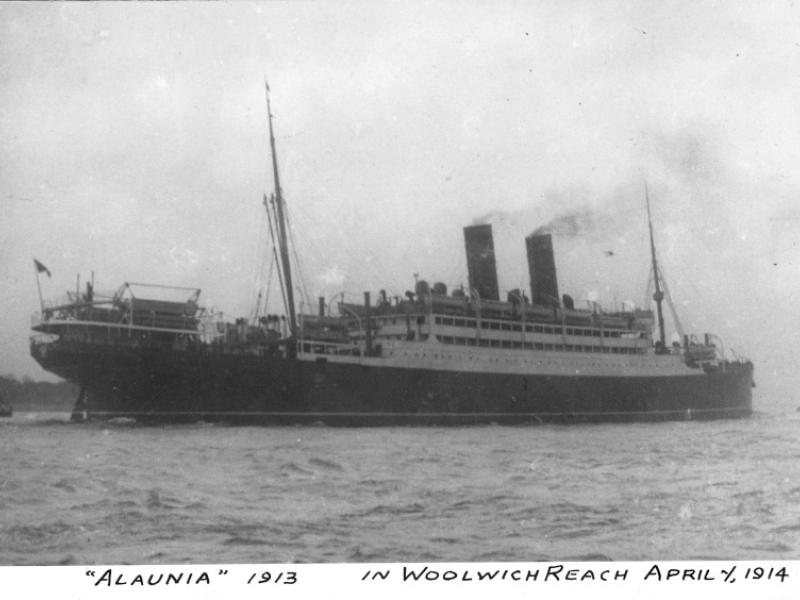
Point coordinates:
pixel 167 386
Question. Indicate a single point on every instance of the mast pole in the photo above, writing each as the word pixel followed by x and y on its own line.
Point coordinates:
pixel 38 285
pixel 272 234
pixel 658 296
pixel 282 237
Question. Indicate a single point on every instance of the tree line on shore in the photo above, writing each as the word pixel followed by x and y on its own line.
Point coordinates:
pixel 27 394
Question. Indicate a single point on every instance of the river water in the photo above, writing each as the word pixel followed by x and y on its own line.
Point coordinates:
pixel 124 493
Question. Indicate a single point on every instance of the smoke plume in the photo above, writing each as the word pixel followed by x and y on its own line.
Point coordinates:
pixel 569 225
pixel 594 223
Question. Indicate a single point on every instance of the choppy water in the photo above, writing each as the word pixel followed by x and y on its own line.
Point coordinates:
pixel 124 493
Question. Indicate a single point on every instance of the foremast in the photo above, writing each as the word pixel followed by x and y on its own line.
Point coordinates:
pixel 283 241
pixel 658 296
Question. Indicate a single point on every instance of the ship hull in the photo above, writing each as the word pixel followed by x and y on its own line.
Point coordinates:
pixel 169 386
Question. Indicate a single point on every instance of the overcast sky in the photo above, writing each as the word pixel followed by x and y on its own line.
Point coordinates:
pixel 134 145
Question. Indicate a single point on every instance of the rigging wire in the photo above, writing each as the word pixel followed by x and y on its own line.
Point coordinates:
pixel 674 312
pixel 258 275
pixel 269 285
pixel 668 296
pixel 275 249
pixel 647 296
pixel 343 244
pixel 298 264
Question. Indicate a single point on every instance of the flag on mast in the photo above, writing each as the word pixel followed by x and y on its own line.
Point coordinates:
pixel 40 268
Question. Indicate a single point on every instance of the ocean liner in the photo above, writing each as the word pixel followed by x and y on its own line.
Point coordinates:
pixel 430 357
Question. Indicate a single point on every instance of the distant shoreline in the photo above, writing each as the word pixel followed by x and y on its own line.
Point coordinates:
pixel 27 395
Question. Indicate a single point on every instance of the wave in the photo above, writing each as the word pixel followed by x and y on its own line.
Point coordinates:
pixel 63 484
pixel 590 557
pixel 405 509
pixel 291 469
pixel 245 541
pixel 72 494
pixel 156 500
pixel 327 464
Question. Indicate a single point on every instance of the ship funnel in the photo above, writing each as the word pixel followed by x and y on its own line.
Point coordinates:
pixel 542 269
pixel 480 261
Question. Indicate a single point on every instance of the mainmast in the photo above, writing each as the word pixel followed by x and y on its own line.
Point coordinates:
pixel 283 240
pixel 658 296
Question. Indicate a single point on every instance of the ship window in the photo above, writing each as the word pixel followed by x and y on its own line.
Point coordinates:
pixel 495 343
pixel 516 328
pixel 528 346
pixel 548 346
pixel 438 320
pixel 516 344
pixel 529 328
pixel 538 328
pixel 570 331
pixel 539 346
pixel 459 322
pixel 494 325
pixel 471 323
pixel 484 342
pixel 506 344
pixel 505 327
pixel 548 330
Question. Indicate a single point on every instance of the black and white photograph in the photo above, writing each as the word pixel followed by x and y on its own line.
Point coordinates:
pixel 349 282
